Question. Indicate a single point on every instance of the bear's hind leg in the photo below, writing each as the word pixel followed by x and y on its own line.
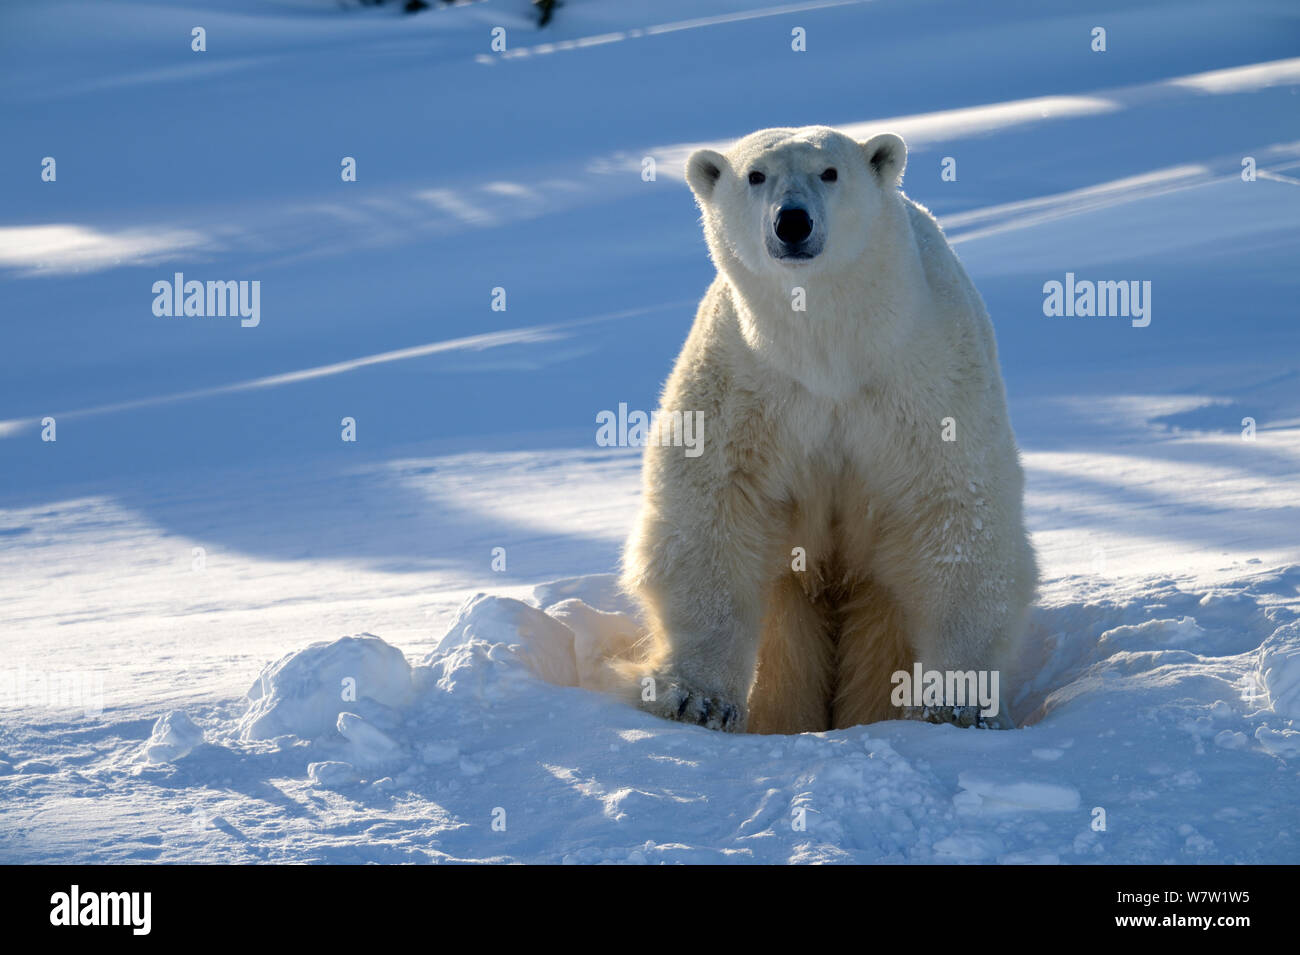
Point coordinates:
pixel 872 645
pixel 796 659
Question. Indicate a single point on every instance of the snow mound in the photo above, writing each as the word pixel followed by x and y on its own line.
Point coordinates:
pixel 1182 633
pixel 568 643
pixel 986 792
pixel 174 736
pixel 304 693
pixel 370 745
pixel 599 637
pixel 535 640
pixel 1284 744
pixel 332 774
pixel 1278 671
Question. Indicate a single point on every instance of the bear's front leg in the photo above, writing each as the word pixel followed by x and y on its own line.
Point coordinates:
pixel 964 643
pixel 966 603
pixel 701 598
pixel 697 561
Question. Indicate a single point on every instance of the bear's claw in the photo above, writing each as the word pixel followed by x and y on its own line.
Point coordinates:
pixel 685 705
pixel 964 716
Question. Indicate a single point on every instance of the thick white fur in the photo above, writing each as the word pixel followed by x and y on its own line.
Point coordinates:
pixel 823 431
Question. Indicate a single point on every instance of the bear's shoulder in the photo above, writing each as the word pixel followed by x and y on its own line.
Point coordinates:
pixel 944 272
pixel 930 240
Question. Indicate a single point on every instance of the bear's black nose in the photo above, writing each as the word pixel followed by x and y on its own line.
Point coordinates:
pixel 793 226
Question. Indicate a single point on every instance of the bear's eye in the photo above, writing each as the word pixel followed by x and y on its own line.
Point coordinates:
pixel 756 177
pixel 830 175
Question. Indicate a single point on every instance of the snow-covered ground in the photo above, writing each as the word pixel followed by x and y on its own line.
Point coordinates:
pixel 199 527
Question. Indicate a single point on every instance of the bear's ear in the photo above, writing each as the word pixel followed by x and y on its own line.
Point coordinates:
pixel 887 157
pixel 703 170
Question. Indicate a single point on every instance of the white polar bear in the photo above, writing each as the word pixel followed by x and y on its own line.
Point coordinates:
pixel 857 508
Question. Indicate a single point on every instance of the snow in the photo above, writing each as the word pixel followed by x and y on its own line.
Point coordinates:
pixel 1278 672
pixel 544 645
pixel 331 774
pixel 174 736
pixel 424 615
pixel 984 792
pixel 304 693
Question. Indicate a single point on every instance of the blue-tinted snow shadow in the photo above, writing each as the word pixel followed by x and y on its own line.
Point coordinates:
pixel 281 483
pixel 89 341
pixel 265 470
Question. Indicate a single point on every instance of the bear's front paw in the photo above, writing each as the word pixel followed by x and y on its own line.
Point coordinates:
pixel 675 700
pixel 964 716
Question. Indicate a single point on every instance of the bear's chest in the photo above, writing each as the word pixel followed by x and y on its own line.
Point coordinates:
pixel 855 470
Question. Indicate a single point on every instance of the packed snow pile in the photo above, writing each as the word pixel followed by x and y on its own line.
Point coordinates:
pixel 298 695
pixel 560 638
pixel 1278 673
pixel 494 726
pixel 174 737
pixel 353 696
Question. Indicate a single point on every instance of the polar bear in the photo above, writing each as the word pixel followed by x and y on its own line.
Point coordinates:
pixel 856 510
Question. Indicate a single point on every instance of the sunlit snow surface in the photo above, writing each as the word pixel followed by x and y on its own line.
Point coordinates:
pixel 229 636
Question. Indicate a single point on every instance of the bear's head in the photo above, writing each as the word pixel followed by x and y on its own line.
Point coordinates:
pixel 799 199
